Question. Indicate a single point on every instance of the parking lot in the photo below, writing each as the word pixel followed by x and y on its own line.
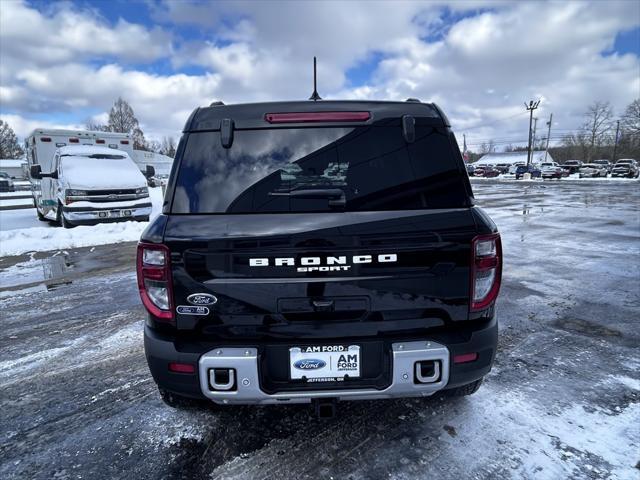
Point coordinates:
pixel 561 402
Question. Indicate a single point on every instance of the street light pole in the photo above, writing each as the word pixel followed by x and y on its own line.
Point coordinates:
pixel 531 107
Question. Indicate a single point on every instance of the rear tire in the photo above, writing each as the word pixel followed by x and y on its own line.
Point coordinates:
pixel 464 390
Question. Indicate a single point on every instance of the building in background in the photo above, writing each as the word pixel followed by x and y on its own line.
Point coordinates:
pixel 511 158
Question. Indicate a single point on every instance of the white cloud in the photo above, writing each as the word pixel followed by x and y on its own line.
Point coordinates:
pixel 480 68
pixel 69 34
pixel 23 126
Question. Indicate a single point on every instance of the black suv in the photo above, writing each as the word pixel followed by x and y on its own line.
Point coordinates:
pixel 315 252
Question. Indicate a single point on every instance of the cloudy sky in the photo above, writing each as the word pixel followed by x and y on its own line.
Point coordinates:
pixel 64 63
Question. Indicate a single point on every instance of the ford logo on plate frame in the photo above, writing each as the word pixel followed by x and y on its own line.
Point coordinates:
pixel 309 364
pixel 202 299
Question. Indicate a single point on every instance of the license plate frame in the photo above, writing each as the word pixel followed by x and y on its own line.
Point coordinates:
pixel 325 363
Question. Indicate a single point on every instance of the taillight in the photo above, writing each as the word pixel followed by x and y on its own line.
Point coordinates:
pixel 486 270
pixel 154 280
pixel 306 117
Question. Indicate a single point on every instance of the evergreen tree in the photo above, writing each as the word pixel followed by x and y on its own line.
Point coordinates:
pixel 9 146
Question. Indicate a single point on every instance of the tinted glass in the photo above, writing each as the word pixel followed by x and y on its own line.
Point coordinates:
pixel 266 170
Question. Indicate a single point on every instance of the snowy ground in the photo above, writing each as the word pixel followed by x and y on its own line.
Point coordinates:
pixel 563 400
pixel 21 232
pixel 16 202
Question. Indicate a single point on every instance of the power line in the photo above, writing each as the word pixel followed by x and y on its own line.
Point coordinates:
pixel 486 124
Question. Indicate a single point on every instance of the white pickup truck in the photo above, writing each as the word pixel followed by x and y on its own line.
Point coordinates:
pixel 90 184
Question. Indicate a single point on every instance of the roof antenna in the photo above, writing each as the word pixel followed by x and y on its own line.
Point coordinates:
pixel 314 96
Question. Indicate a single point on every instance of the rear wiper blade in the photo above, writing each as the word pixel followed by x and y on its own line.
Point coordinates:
pixel 335 196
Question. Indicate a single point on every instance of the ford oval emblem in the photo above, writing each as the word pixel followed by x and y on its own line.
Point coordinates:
pixel 202 299
pixel 309 364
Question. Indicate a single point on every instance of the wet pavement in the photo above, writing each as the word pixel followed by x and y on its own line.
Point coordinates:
pixel 562 401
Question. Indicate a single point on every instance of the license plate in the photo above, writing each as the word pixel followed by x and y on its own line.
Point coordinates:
pixel 324 363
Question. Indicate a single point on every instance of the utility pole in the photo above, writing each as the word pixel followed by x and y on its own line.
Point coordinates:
pixel 535 128
pixel 531 107
pixel 615 142
pixel 546 150
pixel 465 156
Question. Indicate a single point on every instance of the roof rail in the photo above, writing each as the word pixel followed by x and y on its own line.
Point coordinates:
pixel 413 100
pixel 216 103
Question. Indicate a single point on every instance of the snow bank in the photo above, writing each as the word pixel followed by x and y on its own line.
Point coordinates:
pixel 45 238
pixel 40 239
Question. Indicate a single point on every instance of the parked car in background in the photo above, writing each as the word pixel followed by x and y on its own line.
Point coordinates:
pixel 604 163
pixel 514 167
pixel 573 166
pixel 89 184
pixel 593 170
pixel 625 167
pixel 503 167
pixel 157 180
pixel 490 172
pixel 470 169
pixel 479 170
pixel 486 171
pixel 551 170
pixel 534 170
pixel 6 183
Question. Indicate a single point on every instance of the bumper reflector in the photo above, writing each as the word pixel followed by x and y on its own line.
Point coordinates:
pixel 182 367
pixel 465 358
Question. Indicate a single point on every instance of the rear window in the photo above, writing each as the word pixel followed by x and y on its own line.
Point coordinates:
pixel 301 169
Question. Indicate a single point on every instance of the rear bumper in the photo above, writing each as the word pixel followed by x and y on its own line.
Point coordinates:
pixel 245 360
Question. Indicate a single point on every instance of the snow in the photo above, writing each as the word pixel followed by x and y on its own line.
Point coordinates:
pixel 11 163
pixel 15 194
pixel 84 173
pixel 537 156
pixel 17 202
pixel 15 242
pixel 18 219
pixel 21 232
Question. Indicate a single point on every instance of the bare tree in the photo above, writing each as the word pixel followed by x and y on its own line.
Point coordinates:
pixel 630 129
pixel 577 146
pixel 597 125
pixel 630 120
pixel 96 127
pixel 488 147
pixel 123 120
pixel 9 146
pixel 168 147
pixel 154 146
